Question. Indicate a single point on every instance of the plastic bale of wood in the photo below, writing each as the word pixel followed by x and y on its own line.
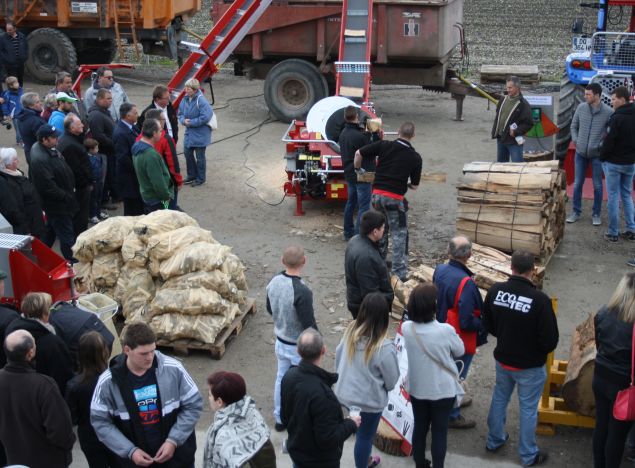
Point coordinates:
pixel 131 278
pixel 163 246
pixel 105 237
pixel 236 271
pixel 83 279
pixel 199 256
pixel 134 251
pixel 192 301
pixel 203 328
pixel 106 268
pixel 214 280
pixel 135 305
pixel 162 221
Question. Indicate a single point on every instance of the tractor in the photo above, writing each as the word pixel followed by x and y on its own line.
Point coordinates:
pixel 607 58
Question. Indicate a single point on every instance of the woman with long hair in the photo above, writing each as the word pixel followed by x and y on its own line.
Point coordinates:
pixel 238 436
pixel 366 362
pixel 93 357
pixel 613 340
pixel 433 382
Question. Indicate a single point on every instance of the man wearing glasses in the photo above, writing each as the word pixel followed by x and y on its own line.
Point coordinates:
pixel 106 80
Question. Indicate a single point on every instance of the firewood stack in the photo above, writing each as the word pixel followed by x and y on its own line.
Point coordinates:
pixel 511 206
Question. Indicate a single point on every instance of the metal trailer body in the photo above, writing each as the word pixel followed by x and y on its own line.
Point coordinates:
pixel 63 34
pixel 294 47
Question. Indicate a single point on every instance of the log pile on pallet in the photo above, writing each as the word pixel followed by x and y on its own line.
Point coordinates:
pixel 511 206
pixel 164 269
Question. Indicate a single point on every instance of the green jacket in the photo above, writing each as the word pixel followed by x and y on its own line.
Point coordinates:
pixel 154 178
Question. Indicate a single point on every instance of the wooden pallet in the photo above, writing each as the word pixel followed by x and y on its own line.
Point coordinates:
pixel 217 349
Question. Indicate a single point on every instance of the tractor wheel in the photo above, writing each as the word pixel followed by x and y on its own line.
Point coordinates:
pixel 292 87
pixel 571 95
pixel 95 51
pixel 50 51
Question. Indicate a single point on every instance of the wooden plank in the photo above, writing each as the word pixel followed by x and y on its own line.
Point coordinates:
pixel 509 168
pixel 351 92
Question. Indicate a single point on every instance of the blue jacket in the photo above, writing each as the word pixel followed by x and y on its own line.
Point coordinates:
pixel 11 105
pixel 126 177
pixel 447 278
pixel 29 121
pixel 57 120
pixel 199 111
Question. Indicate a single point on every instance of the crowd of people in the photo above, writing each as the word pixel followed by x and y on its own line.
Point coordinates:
pixel 85 157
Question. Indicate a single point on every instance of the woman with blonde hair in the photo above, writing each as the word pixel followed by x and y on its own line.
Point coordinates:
pixel 195 113
pixel 366 362
pixel 614 341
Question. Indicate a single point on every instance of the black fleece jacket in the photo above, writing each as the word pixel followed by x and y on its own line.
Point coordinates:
pixel 101 126
pixel 614 342
pixel 72 148
pixel 619 144
pixel 313 416
pixel 522 320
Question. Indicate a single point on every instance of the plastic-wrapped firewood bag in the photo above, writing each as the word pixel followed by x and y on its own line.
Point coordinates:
pixel 105 237
pixel 202 328
pixel 214 280
pixel 199 256
pixel 83 280
pixel 131 278
pixel 106 269
pixel 236 270
pixel 133 251
pixel 162 246
pixel 161 221
pixel 192 301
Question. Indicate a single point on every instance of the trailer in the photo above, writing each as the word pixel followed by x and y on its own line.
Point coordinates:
pixel 294 46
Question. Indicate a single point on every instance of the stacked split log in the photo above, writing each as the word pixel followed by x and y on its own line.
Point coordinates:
pixel 511 206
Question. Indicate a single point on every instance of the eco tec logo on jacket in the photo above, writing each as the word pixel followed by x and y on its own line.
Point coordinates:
pixel 513 302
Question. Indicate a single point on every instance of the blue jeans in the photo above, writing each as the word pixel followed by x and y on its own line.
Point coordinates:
pixel 60 226
pixel 530 384
pixel 287 356
pixel 619 185
pixel 364 438
pixel 466 359
pixel 358 197
pixel 505 151
pixel 430 413
pixel 196 167
pixel 581 165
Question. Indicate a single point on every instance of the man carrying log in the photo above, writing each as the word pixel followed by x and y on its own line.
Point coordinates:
pixel 513 120
pixel 458 294
pixel 524 324
pixel 397 162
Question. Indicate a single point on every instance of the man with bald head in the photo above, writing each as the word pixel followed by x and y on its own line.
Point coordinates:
pixel 458 291
pixel 290 303
pixel 35 423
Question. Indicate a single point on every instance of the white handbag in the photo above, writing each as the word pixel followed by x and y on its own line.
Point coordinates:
pixel 213 123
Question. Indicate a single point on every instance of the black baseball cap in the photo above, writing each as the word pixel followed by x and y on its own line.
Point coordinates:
pixel 45 131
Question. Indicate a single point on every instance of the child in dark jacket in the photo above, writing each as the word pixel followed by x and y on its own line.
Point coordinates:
pixel 11 105
pixel 98 165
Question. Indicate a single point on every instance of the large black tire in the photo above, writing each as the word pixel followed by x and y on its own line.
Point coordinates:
pixel 571 95
pixel 92 51
pixel 50 51
pixel 292 87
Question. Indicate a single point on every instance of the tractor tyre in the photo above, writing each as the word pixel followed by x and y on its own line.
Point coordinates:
pixel 50 51
pixel 571 95
pixel 95 51
pixel 292 87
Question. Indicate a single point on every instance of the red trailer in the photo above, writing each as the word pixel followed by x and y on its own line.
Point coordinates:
pixel 294 47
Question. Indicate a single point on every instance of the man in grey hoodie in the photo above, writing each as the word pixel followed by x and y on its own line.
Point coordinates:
pixel 588 129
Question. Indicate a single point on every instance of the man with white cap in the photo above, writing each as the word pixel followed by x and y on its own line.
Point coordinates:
pixel 64 107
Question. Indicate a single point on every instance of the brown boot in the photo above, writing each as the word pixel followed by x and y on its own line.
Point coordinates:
pixel 462 423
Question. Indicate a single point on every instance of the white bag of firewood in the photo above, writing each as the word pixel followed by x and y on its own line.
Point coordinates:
pixel 83 279
pixel 164 245
pixel 136 304
pixel 130 278
pixel 105 237
pixel 236 270
pixel 203 328
pixel 214 280
pixel 134 251
pixel 106 269
pixel 161 221
pixel 193 301
pixel 199 256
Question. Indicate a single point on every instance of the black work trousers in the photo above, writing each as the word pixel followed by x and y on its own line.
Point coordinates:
pixel 609 434
pixel 80 220
pixel 435 413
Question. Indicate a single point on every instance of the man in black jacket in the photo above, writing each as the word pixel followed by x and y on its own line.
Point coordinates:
pixel 525 326
pixel 35 424
pixel 71 146
pixel 124 136
pixel 351 139
pixel 310 410
pixel 55 183
pixel 29 121
pixel 512 121
pixel 14 51
pixel 618 161
pixel 101 127
pixel 7 315
pixel 161 101
pixel 365 269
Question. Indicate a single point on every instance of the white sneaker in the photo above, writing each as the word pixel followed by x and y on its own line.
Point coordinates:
pixel 597 221
pixel 93 220
pixel 103 215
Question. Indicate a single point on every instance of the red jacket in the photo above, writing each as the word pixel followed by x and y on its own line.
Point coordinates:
pixel 167 150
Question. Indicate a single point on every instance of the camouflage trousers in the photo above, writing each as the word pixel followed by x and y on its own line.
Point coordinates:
pixel 396 213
